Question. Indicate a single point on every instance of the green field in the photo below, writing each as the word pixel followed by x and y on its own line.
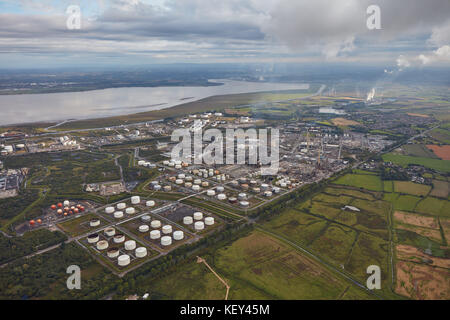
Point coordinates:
pixel 364 181
pixel 406 203
pixel 435 164
pixel 434 206
pixel 412 188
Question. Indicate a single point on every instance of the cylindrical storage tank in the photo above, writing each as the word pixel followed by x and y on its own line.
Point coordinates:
pixel 181 176
pixel 177 162
pixel 102 245
pixel 188 220
pixel 93 238
pixel 135 200
pixel 188 185
pixel 109 210
pixel 253 182
pixel 155 234
pixel 276 190
pixel 220 189
pixel 154 183
pixel 113 253
pixel 166 241
pixel 110 232
pixel 150 203
pixel 130 245
pixel 242 196
pixel 66 203
pixel 189 178
pixel 141 252
pixel 199 225
pixel 209 221
pixel 94 222
pixel 146 218
pixel 179 181
pixel 198 216
pixel 222 196
pixel 157 187
pixel 178 166
pixel 233 200
pixel 205 184
pixel 244 204
pixel 256 190
pixel 283 185
pixel 197 181
pixel 130 211
pixel 167 229
pixel 264 186
pixel 144 228
pixel 123 260
pixel 268 193
pixel 167 188
pixel 119 238
pixel 121 206
pixel 118 214
pixel 178 235
pixel 156 224
pixel 211 193
pixel 171 164
pixel 166 162
pixel 196 187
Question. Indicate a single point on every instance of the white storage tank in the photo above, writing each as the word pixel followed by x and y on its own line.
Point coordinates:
pixel 197 181
pixel 141 252
pixel 118 214
pixel 146 218
pixel 150 203
pixel 188 220
pixel 198 216
pixel 123 260
pixel 181 176
pixel 156 224
pixel 179 181
pixel 121 206
pixel 93 238
pixel 113 253
pixel 178 235
pixel 244 204
pixel 199 225
pixel 167 229
pixel 94 222
pixel 268 193
pixel 242 196
pixel 196 187
pixel 166 241
pixel 102 245
pixel 119 238
pixel 222 196
pixel 276 190
pixel 211 193
pixel 135 200
pixel 155 234
pixel 144 228
pixel 130 245
pixel 264 186
pixel 110 232
pixel 130 210
pixel 220 189
pixel 109 210
pixel 209 221
pixel 167 188
pixel 188 185
pixel 66 203
pixel 157 187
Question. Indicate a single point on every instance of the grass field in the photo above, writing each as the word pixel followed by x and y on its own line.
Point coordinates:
pixel 435 164
pixel 369 182
pixel 440 189
pixel 418 150
pixel 412 188
pixel 434 206
pixel 78 226
pixel 273 267
pixel 406 203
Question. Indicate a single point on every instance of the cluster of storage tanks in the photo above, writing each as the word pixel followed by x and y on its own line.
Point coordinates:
pixel 156 185
pixel 163 233
pixel 177 164
pixel 252 185
pixel 198 220
pixel 121 208
pixel 67 208
pixel 284 183
pixel 117 240
pixel 211 174
pixel 146 164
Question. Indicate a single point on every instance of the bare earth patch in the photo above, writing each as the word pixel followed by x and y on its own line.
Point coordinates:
pixel 412 254
pixel 422 282
pixel 418 115
pixel 344 122
pixel 416 220
pixel 442 152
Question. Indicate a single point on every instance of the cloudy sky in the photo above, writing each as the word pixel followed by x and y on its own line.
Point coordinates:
pixel 34 33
